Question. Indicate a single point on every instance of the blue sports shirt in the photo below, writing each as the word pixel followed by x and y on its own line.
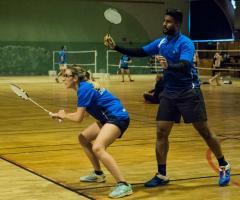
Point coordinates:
pixel 62 54
pixel 124 61
pixel 175 49
pixel 100 103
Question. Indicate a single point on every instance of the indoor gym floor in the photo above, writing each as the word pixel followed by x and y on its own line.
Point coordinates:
pixel 41 158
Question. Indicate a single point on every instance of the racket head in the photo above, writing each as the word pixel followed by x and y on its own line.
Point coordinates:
pixel 113 16
pixel 19 91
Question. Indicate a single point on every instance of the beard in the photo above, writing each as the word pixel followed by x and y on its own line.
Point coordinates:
pixel 167 31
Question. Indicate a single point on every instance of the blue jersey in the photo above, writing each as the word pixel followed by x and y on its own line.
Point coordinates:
pixel 62 54
pixel 100 103
pixel 124 61
pixel 175 49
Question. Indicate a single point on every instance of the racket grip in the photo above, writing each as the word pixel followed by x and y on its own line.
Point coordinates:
pixel 60 120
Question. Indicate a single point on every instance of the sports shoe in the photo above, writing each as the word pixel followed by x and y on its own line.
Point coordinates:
pixel 224 175
pixel 157 180
pixel 121 190
pixel 56 79
pixel 93 177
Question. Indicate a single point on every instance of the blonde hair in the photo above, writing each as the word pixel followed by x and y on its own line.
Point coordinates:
pixel 83 75
pixel 79 72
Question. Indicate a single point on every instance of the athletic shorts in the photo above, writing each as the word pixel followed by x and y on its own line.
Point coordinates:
pixel 123 67
pixel 188 104
pixel 121 124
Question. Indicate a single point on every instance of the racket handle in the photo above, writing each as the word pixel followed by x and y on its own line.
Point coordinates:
pixel 59 119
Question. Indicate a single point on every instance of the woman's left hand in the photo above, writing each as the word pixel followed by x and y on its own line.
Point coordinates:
pixel 60 114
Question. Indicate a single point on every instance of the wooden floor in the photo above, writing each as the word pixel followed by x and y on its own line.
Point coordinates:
pixel 41 159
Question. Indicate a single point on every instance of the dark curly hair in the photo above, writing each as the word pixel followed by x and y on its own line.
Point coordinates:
pixel 176 14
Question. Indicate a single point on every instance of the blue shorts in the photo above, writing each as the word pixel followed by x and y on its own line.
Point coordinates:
pixel 121 124
pixel 188 104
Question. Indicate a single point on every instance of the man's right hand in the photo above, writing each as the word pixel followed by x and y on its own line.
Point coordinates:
pixel 109 42
pixel 163 61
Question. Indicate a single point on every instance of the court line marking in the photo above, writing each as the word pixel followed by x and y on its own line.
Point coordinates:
pixel 44 177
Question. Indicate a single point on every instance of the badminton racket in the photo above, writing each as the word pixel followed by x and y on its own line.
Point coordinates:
pixel 24 95
pixel 113 17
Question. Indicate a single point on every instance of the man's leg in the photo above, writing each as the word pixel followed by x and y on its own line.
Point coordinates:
pixel 58 74
pixel 129 76
pixel 162 145
pixel 210 138
pixel 122 72
pixel 214 145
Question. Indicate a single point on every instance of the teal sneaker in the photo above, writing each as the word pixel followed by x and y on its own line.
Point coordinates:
pixel 121 190
pixel 224 175
pixel 93 177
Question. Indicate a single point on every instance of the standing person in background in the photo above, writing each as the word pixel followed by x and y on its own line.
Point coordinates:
pixel 196 60
pixel 123 65
pixel 112 121
pixel 62 63
pixel 217 60
pixel 182 95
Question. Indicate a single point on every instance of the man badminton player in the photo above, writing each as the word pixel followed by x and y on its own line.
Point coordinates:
pixel 112 122
pixel 182 95
pixel 62 63
pixel 123 65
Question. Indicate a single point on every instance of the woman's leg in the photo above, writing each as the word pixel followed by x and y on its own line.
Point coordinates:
pixel 108 134
pixel 85 138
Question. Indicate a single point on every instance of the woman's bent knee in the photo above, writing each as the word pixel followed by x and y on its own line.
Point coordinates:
pixel 83 140
pixel 98 149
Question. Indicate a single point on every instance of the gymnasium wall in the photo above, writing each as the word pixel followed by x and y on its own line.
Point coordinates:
pixel 31 30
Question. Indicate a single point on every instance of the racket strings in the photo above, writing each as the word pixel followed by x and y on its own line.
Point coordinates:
pixel 19 91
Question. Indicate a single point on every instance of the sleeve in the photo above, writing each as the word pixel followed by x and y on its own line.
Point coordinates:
pixel 187 51
pixel 135 52
pixel 152 48
pixel 186 58
pixel 182 66
pixel 85 96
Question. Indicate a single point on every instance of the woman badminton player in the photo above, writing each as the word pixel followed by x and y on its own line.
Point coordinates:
pixel 112 122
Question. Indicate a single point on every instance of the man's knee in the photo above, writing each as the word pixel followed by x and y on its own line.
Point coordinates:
pixel 162 133
pixel 204 130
